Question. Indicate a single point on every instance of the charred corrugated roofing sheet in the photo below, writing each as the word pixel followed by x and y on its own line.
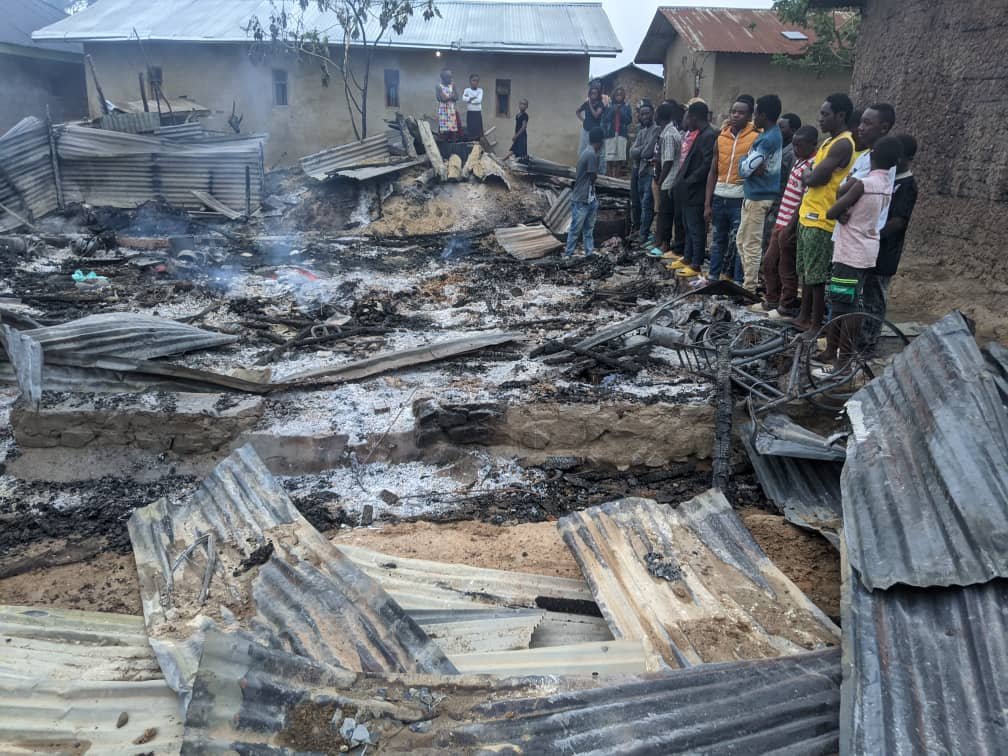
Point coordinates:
pixel 691 582
pixel 572 28
pixel 925 486
pixel 27 181
pixel 253 699
pixel 806 490
pixel 211 560
pixel 925 669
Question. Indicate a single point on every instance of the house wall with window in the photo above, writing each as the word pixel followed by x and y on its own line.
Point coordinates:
pixel 289 101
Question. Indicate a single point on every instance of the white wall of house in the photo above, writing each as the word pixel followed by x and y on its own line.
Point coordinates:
pixel 316 117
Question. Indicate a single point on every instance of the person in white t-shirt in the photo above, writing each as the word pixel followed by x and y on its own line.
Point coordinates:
pixel 473 97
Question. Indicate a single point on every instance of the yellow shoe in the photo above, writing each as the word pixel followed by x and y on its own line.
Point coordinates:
pixel 677 265
pixel 687 272
pixel 726 277
pixel 670 255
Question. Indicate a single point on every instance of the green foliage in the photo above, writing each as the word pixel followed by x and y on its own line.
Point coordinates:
pixel 364 25
pixel 835 36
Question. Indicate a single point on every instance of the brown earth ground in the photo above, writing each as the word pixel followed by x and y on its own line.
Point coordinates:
pixel 925 292
pixel 108 582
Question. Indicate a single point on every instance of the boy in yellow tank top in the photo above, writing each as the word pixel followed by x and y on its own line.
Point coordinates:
pixel 830 167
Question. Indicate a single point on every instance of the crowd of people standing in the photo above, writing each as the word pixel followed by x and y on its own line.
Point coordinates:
pixel 812 226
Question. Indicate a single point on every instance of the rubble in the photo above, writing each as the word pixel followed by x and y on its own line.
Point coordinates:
pixel 247 366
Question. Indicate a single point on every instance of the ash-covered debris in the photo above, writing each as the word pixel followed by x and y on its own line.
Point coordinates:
pixel 663 567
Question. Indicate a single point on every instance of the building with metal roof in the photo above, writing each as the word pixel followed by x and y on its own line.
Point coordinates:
pixel 35 75
pixel 205 52
pixel 719 53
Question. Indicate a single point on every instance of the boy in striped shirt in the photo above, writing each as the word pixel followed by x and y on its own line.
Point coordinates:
pixel 780 275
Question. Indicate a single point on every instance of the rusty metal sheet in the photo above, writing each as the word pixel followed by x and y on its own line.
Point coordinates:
pixel 527 242
pixel 925 486
pixel 691 582
pixel 238 554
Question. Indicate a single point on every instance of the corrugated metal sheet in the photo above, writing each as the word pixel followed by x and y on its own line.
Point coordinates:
pixel 371 151
pixel 366 174
pixel 479 631
pixel 558 219
pixel 131 123
pixel 422 585
pixel 124 170
pixel 67 678
pixel 527 242
pixel 604 659
pixel 182 132
pixel 252 561
pixel 786 705
pixel 691 581
pixel 925 670
pixel 777 435
pixel 570 28
pixel 62 644
pixel 549 168
pixel 25 356
pixel 250 699
pixel 925 487
pixel 127 335
pixel 997 363
pixel 23 17
pixel 27 182
pixel 806 490
pixel 736 30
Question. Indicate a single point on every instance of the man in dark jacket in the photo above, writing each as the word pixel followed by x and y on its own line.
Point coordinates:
pixel 690 186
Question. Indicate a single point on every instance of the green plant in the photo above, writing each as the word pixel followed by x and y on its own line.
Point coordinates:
pixel 834 35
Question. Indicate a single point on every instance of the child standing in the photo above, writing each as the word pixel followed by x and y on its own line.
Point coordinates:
pixel 584 203
pixel 448 122
pixel 780 274
pixel 473 97
pixel 855 251
pixel 891 237
pixel 519 143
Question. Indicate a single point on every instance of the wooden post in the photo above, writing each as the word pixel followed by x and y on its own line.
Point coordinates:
pixel 54 157
pixel 431 147
pixel 143 92
pixel 98 89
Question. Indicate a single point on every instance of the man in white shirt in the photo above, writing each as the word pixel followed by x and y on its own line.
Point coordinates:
pixel 473 97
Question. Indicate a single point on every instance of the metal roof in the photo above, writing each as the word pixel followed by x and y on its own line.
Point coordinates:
pixel 527 242
pixel 70 677
pixel 925 486
pixel 925 670
pixel 550 28
pixel 250 698
pixel 212 560
pixel 806 490
pixel 731 30
pixel 27 181
pixel 691 582
pixel 22 17
pixel 371 151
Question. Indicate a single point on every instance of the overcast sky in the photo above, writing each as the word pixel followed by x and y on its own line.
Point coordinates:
pixel 631 19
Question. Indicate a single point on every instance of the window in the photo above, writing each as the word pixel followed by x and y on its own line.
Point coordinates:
pixel 279 87
pixel 795 36
pixel 155 82
pixel 391 88
pixel 503 90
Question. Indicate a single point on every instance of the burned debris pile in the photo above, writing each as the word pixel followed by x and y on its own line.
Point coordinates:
pixel 220 371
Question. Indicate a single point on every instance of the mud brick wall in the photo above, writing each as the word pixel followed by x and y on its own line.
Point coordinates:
pixel 944 66
pixel 161 421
